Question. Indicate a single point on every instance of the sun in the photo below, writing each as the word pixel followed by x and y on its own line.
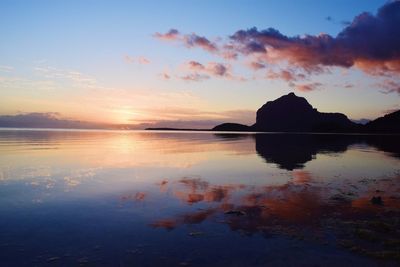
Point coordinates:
pixel 126 115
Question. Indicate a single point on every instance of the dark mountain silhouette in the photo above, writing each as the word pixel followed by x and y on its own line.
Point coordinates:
pixel 390 123
pixel 291 113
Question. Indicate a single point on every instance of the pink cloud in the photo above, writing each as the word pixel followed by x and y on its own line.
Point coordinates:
pixel 144 61
pixel 287 75
pixel 171 35
pixel 140 60
pixel 370 43
pixel 257 65
pixel 308 87
pixel 189 40
pixel 194 40
pixel 195 77
pixel 165 76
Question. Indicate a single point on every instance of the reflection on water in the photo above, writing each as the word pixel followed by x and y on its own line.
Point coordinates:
pixel 180 198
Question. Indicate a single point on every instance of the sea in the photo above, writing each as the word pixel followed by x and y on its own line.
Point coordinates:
pixel 181 198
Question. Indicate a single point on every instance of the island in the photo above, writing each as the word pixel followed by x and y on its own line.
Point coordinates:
pixel 293 114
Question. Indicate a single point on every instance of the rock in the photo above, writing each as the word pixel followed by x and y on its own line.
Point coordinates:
pixel 291 113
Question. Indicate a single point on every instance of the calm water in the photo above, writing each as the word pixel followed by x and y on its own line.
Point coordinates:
pixel 87 198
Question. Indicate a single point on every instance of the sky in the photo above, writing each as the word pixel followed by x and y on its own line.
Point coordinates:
pixel 196 63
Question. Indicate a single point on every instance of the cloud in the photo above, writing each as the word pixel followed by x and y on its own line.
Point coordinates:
pixel 172 34
pixel 194 65
pixel 181 124
pixel 6 68
pixel 194 40
pixel 174 117
pixel 287 75
pixel 218 69
pixel 195 77
pixel 370 43
pixel 189 40
pixel 140 60
pixel 76 78
pixel 308 87
pixel 43 120
pixel 257 65
pixel 129 59
pixel 212 68
pixel 390 86
pixel 165 76
pixel 200 72
pixel 178 117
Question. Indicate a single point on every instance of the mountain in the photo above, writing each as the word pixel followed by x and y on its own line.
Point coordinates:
pixel 390 123
pixel 291 113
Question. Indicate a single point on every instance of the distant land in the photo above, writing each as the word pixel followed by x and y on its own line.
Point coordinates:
pixel 291 113
pixel 175 129
pixel 288 113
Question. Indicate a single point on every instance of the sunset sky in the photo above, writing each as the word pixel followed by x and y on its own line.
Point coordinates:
pixel 196 63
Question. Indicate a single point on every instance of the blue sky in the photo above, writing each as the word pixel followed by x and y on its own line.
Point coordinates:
pixel 100 61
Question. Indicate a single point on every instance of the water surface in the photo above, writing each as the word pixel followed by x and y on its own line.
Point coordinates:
pixel 109 198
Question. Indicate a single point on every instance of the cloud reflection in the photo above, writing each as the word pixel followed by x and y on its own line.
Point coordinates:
pixel 302 207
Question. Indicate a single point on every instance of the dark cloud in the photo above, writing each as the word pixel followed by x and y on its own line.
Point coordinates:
pixel 189 40
pixel 201 72
pixel 172 34
pixel 370 42
pixel 194 40
pixel 44 120
pixel 218 69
